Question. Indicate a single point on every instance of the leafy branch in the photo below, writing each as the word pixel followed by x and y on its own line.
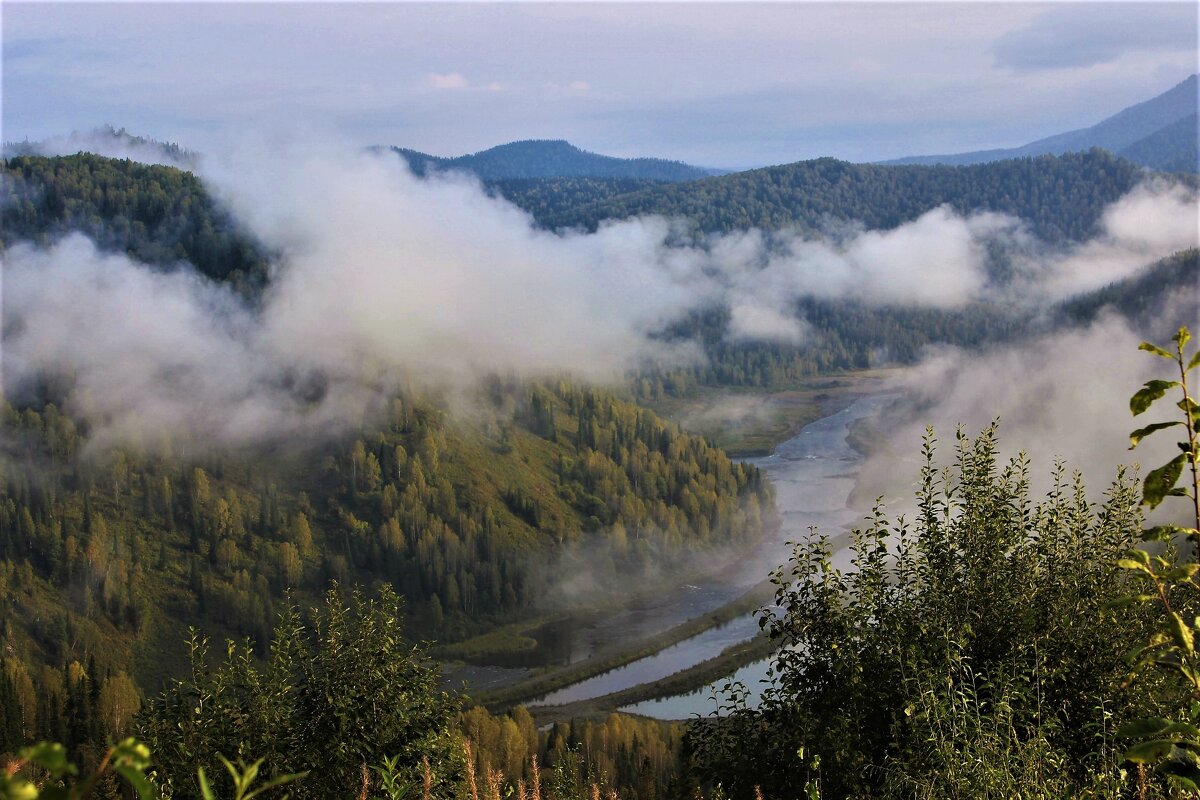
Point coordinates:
pixel 1172 747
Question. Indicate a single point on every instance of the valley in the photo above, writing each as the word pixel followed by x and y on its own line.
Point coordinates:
pixel 541 473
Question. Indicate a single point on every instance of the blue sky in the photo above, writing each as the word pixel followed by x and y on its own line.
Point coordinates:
pixel 728 85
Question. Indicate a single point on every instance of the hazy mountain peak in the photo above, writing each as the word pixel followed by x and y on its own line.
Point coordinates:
pixel 552 158
pixel 1154 133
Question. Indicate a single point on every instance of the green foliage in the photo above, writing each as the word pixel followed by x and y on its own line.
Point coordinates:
pixel 1161 482
pixel 242 777
pixel 641 759
pixel 965 655
pixel 391 781
pixel 341 692
pixel 44 772
pixel 843 335
pixel 1171 747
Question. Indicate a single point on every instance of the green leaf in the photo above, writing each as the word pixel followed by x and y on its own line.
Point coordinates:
pixel 1185 776
pixel 1191 408
pixel 276 781
pixel 1149 752
pixel 1195 362
pixel 206 791
pixel 1182 337
pixel 1142 433
pixel 1161 533
pixel 1161 481
pixel 1185 728
pixel 1141 728
pixel 140 783
pixel 1158 351
pixel 1182 632
pixel 1151 391
pixel 1128 600
pixel 1182 572
pixel 20 789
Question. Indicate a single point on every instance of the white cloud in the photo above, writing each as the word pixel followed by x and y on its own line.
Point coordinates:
pixel 450 80
pixel 386 280
pixel 1152 220
pixel 759 323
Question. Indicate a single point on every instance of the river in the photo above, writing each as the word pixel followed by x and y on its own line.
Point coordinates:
pixel 813 474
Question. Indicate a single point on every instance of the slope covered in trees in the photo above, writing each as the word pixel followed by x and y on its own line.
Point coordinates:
pixel 1061 198
pixel 113 558
pixel 157 214
pixel 1143 294
pixel 544 198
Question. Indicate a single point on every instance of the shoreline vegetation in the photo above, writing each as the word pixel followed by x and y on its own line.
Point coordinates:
pixel 551 680
pixel 751 422
pixel 685 681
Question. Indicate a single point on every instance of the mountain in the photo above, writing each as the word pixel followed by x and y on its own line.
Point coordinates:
pixel 543 158
pixel 1060 197
pixel 1174 148
pixel 1159 131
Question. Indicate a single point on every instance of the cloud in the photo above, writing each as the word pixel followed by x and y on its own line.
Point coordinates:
pixel 1063 396
pixel 740 84
pixel 1153 220
pixel 1079 36
pixel 148 352
pixel 752 322
pixel 111 143
pixel 938 260
pixel 450 80
pixel 385 280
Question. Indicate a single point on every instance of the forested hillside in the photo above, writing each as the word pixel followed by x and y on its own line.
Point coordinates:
pixel 1060 197
pixel 157 214
pixel 1142 295
pixel 113 559
pixel 546 198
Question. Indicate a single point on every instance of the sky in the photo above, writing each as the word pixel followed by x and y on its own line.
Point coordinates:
pixel 727 85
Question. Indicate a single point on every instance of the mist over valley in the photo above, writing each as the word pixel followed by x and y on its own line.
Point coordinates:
pixel 681 477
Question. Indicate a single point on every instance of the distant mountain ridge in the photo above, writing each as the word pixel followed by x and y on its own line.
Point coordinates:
pixel 1061 198
pixel 1160 133
pixel 551 158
